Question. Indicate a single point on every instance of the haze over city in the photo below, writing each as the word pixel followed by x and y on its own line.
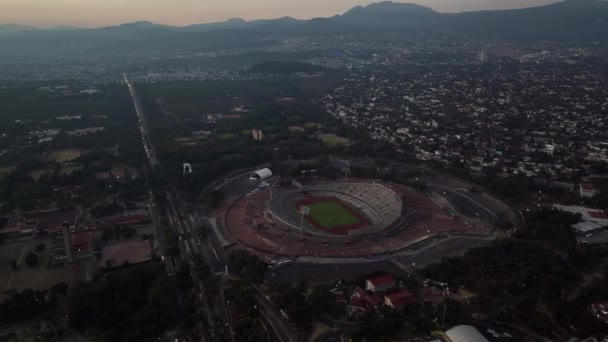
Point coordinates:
pixel 94 13
pixel 304 171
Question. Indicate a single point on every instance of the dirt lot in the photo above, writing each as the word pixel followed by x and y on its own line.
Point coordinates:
pixel 8 253
pixel 39 277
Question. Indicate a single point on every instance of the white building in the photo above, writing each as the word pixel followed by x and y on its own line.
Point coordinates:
pixel 465 333
pixel 261 174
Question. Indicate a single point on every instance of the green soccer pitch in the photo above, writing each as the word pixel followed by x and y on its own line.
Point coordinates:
pixel 331 214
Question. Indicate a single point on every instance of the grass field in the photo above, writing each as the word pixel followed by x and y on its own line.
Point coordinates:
pixel 331 214
pixel 188 142
pixel 68 170
pixel 333 140
pixel 313 125
pixel 39 277
pixel 36 174
pixel 7 253
pixel 62 156
pixel 6 169
pixel 227 136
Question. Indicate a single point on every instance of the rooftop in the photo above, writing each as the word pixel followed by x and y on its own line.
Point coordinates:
pixel 131 252
pixel 382 280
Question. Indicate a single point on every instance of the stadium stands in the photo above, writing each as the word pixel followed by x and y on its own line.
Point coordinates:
pixel 381 205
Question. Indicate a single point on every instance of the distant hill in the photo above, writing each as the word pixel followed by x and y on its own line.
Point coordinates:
pixel 391 15
pixel 13 28
pixel 570 20
pixel 567 20
pixel 574 20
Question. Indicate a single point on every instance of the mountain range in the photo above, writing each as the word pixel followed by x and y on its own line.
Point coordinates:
pixel 569 20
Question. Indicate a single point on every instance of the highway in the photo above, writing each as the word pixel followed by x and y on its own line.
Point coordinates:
pixel 160 246
pixel 143 125
pixel 189 247
pixel 198 240
pixel 220 264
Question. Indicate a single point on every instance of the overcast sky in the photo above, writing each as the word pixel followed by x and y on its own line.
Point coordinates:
pixel 182 12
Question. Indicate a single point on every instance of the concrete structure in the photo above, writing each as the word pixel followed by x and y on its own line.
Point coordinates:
pixel 465 333
pixel 593 220
pixel 261 174
pixel 587 190
pixel 257 134
pixel 588 227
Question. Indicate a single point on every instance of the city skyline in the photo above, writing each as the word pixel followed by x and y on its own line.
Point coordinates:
pixel 95 13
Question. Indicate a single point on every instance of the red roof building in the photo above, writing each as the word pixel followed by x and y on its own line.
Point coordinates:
pixel 380 283
pixel 129 220
pixel 399 299
pixel 82 242
pixel 587 190
pixel 362 301
pixel 434 296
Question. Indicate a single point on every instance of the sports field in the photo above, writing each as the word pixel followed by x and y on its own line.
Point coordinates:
pixel 331 214
pixel 62 156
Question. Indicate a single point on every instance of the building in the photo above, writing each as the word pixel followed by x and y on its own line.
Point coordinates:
pixel 600 310
pixel 381 283
pixel 361 301
pixel 261 174
pixel 465 333
pixel 587 190
pixel 82 243
pixel 124 254
pixel 588 227
pixel 399 299
pixel 257 134
pixel 592 220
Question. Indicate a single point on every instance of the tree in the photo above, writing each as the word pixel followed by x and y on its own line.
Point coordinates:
pixel 130 305
pixel 60 288
pixel 31 260
pixel 25 305
pixel 212 199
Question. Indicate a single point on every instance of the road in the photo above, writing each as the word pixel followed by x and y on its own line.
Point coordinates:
pixel 197 239
pixel 143 125
pixel 188 248
pixel 220 265
pixel 160 245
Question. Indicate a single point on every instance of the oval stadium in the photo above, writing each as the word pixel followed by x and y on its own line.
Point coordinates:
pixel 279 217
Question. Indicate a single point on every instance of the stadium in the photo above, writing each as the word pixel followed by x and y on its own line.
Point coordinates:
pixel 337 209
pixel 278 217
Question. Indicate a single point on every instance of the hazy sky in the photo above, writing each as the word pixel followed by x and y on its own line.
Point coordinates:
pixel 183 12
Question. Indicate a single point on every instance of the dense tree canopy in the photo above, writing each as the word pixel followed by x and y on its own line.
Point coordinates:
pixel 130 305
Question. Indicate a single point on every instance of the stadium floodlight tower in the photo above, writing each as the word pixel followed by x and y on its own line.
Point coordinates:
pixel 303 211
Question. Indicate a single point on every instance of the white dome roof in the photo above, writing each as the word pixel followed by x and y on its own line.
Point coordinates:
pixel 465 333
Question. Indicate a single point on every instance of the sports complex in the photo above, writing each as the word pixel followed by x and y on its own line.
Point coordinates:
pixel 280 217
